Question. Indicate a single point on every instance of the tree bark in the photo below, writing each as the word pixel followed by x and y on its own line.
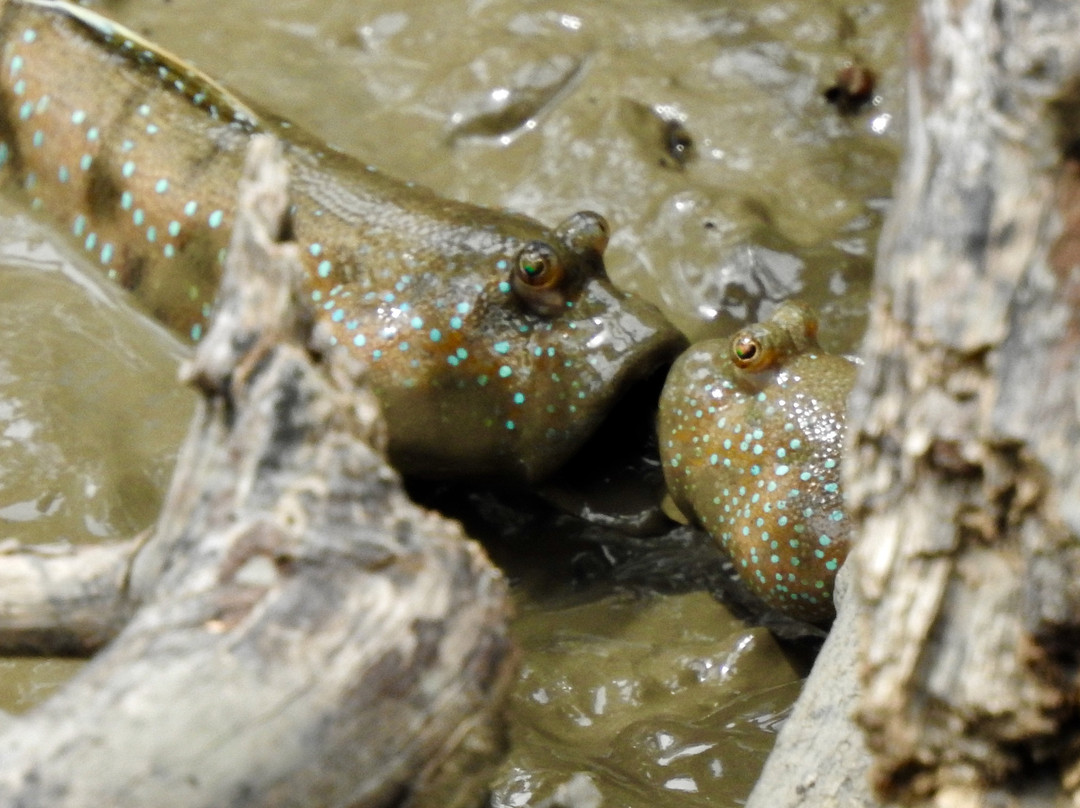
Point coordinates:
pixel 964 470
pixel 305 635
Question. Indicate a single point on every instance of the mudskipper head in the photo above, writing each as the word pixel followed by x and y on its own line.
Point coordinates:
pixel 506 358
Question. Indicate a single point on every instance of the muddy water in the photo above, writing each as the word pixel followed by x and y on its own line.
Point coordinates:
pixel 698 128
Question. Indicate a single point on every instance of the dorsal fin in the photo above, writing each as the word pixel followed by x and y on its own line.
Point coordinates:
pixel 174 72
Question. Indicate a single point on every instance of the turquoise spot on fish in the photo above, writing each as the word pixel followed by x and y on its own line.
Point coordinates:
pixel 191 207
pixel 324 268
pixel 161 186
pixel 216 218
pixel 128 169
pixel 798 433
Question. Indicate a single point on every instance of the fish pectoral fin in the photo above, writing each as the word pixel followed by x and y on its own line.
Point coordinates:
pixel 671 510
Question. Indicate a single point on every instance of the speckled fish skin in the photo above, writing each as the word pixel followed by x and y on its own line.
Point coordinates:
pixel 750 432
pixel 495 344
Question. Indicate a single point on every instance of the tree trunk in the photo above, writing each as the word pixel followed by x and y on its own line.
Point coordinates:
pixel 963 468
pixel 305 635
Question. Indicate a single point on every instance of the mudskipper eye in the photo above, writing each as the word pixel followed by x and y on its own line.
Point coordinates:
pixel 745 348
pixel 586 233
pixel 753 351
pixel 538 266
pixel 539 279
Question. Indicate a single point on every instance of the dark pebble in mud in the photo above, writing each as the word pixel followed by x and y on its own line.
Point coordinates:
pixel 853 88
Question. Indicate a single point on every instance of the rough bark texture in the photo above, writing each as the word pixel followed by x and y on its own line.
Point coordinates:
pixel 965 464
pixel 306 635
pixel 963 467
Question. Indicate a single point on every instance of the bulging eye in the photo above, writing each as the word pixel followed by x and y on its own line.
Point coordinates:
pixel 746 350
pixel 538 265
pixel 585 233
pixel 539 279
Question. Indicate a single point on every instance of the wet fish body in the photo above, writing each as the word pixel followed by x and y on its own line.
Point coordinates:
pixel 494 343
pixel 751 430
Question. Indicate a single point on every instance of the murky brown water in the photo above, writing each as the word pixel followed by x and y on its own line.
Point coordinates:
pixel 546 108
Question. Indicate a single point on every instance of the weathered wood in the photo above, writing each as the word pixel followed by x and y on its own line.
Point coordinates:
pixel 306 635
pixel 963 469
pixel 63 599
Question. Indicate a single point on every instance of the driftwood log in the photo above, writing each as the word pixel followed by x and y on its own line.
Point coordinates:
pixel 963 467
pixel 294 631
